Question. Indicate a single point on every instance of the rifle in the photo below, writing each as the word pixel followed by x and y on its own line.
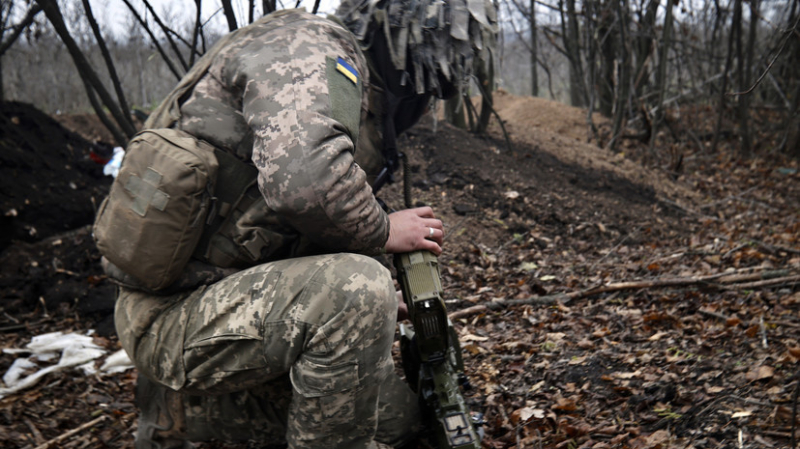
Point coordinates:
pixel 431 353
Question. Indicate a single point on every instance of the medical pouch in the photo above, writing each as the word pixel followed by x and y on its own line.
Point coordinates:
pixel 155 213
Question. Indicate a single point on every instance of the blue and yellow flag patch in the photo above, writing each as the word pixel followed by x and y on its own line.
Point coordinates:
pixel 347 70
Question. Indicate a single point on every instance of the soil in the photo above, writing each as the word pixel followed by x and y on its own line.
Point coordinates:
pixel 552 215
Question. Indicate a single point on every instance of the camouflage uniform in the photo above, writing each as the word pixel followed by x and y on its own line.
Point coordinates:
pixel 296 350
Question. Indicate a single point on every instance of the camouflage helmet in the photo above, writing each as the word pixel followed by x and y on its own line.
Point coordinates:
pixel 442 38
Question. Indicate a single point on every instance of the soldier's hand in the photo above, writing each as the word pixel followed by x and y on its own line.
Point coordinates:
pixel 415 229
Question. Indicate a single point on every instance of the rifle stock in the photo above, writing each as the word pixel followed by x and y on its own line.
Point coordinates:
pixel 431 353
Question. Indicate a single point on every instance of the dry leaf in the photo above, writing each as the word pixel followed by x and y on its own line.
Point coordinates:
pixel 657 336
pixel 524 414
pixel 473 337
pixel 733 321
pixel 565 405
pixel 760 373
pixel 636 373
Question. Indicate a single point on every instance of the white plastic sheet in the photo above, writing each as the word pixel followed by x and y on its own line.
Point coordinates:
pixel 72 350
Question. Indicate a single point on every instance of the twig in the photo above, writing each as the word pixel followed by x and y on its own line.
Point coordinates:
pixel 37 436
pixel 769 67
pixel 499 120
pixel 775 248
pixel 778 282
pixel 72 432
pixel 711 314
pixel 19 327
pixel 751 401
pixel 725 279
pixel 784 323
pixel 614 248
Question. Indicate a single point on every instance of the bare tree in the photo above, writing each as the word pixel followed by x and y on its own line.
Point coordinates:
pixel 6 10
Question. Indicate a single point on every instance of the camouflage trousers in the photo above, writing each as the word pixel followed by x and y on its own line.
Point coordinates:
pixel 295 351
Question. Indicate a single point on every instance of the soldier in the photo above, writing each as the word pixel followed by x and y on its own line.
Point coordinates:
pixel 280 329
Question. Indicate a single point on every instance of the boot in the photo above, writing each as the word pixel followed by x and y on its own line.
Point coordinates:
pixel 162 419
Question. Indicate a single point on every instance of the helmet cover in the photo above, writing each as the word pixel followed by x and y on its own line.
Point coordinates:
pixel 441 37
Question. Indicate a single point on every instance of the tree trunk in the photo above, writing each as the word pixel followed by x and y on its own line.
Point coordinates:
pixel 644 46
pixel 577 91
pixel 607 34
pixel 661 75
pixel 229 15
pixel 747 77
pixel 534 51
pixel 793 127
pixel 623 86
pixel 728 61
pixel 85 70
pixel 196 31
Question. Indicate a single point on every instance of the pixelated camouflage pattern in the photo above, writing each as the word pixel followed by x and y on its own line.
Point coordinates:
pixel 325 323
pixel 196 273
pixel 266 98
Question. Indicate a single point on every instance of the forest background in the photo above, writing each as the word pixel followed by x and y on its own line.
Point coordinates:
pixel 648 65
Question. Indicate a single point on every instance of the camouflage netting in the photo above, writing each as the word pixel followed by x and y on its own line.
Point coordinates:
pixel 442 37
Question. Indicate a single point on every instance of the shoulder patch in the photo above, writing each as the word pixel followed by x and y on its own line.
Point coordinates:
pixel 345 90
pixel 347 70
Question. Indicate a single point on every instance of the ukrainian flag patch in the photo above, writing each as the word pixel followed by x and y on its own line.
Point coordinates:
pixel 347 70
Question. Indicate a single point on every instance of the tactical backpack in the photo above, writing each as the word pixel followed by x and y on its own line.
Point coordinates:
pixel 153 217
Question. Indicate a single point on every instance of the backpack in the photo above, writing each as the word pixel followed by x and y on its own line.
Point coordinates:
pixel 154 215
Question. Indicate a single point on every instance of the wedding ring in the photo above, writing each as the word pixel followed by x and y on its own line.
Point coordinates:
pixel 431 232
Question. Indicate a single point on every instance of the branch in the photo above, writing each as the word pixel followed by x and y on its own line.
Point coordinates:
pixel 491 106
pixel 72 432
pixel 20 27
pixel 88 75
pixel 153 38
pixel 771 278
pixel 167 32
pixel 769 67
pixel 127 126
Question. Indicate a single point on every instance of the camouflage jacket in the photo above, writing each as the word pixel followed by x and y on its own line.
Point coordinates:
pixel 289 93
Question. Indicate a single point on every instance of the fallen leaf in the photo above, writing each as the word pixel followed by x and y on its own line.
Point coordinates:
pixel 760 373
pixel 636 373
pixel 473 337
pixel 524 414
pixel 657 336
pixel 565 405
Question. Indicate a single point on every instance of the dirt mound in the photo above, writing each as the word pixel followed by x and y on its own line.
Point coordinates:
pixel 563 131
pixel 48 182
